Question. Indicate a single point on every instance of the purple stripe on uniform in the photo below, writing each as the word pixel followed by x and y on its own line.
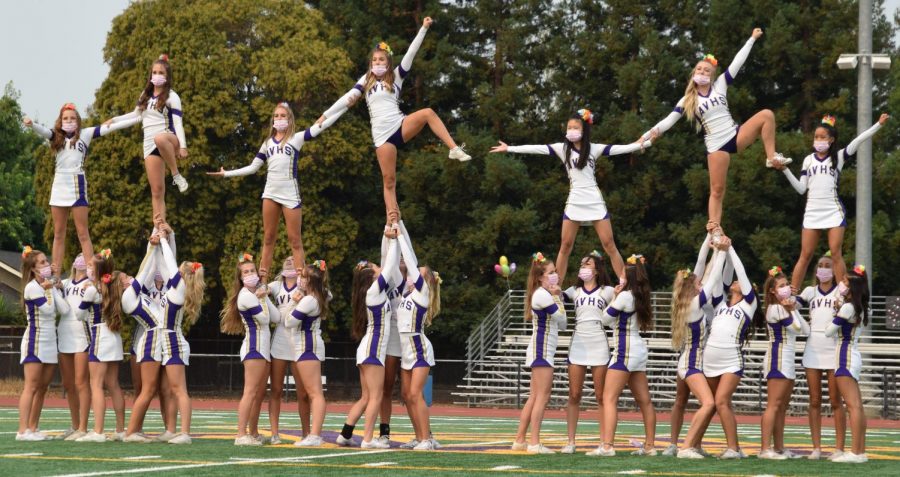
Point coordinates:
pixel 92 346
pixel 420 318
pixel 308 337
pixel 403 72
pixel 622 330
pixel 98 317
pixel 81 185
pixel 136 286
pixel 695 328
pixel 171 314
pixel 551 309
pixel 382 283
pixel 703 299
pixel 420 282
pixel 607 149
pixel 174 281
pixel 32 328
pixel 377 319
pixel 96 132
pixel 749 297
pixel 84 305
pixel 420 352
pixel 802 301
pixel 171 125
pixel 148 343
pixel 176 112
pixel 678 109
pixel 565 217
pixel 612 311
pixel 803 172
pixel 307 135
pixel 260 156
pixel 728 78
pixel 358 87
pixel 539 335
pixel 552 152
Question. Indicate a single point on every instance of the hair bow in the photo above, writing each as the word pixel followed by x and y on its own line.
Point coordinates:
pixel 362 264
pixel 105 253
pixel 26 250
pixel 709 58
pixel 246 257
pixel 595 253
pixel 320 264
pixel 106 278
pixel 633 259
pixel 437 277
pixel 70 106
pixel 586 115
pixel 538 258
pixel 828 254
pixel 164 57
pixel 384 46
pixel 859 269
pixel 774 271
pixel 196 266
pixel 284 104
pixel 829 120
pixel 685 272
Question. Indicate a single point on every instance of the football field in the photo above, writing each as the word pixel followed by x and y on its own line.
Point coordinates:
pixel 471 446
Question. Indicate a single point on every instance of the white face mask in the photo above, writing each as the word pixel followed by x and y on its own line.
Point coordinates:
pixel 585 274
pixel 158 80
pixel 701 80
pixel 573 135
pixel 280 125
pixel 69 126
pixel 821 146
pixel 379 70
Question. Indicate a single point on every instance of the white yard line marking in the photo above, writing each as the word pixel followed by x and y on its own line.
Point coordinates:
pixel 475 444
pixel 506 467
pixel 24 454
pixel 219 464
pixel 142 457
pixel 379 464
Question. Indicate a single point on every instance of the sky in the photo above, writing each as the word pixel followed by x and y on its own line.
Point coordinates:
pixel 33 33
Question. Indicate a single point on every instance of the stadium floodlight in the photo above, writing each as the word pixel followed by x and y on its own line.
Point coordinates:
pixel 847 62
pixel 881 62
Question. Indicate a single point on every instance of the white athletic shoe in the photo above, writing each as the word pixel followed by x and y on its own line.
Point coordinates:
pixel 275 440
pixel 75 436
pixel 344 442
pixel 65 435
pixel 39 436
pixel 180 438
pixel 780 159
pixel 703 452
pixel 851 458
pixel 689 453
pixel 166 436
pixel 181 182
pixel 137 437
pixel 91 437
pixel 117 436
pixel 651 452
pixel 437 445
pixel 458 154
pixel 26 436
pixel 385 438
pixel 568 449
pixel 770 454
pixel 741 453
pixel 247 440
pixel 671 451
pixel 425 445
pixel 410 445
pixel 540 449
pixel 816 454
pixel 375 444
pixel 834 455
pixel 519 446
pixel 601 452
pixel 730 454
pixel 790 455
pixel 309 441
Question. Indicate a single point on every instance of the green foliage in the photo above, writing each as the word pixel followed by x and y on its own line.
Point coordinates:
pixel 21 218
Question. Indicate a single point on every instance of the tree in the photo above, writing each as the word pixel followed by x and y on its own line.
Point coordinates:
pixel 21 218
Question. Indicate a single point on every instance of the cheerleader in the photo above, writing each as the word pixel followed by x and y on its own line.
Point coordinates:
pixel 371 311
pixel 723 359
pixel 705 106
pixel 159 110
pixel 628 315
pixel 249 311
pixel 155 289
pixel 73 342
pixel 784 323
pixel 41 302
pixel 310 306
pixel 69 143
pixel 101 308
pixel 284 352
pixel 396 287
pixel 182 301
pixel 421 303
pixel 818 357
pixel 391 129
pixel 848 360
pixel 150 316
pixel 585 202
pixel 692 302
pixel 281 196
pixel 819 181
pixel 589 347
pixel 545 311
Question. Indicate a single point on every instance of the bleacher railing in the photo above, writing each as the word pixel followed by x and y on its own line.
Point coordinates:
pixel 496 375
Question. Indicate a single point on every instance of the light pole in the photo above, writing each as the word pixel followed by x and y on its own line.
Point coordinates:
pixel 866 61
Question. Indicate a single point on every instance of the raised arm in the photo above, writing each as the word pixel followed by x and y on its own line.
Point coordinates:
pixel 714 280
pixel 391 266
pixel 38 128
pixel 700 265
pixel 174 105
pixel 148 265
pixel 667 122
pixel 865 136
pixel 741 57
pixel 312 132
pixel 727 273
pixel 343 103
pixel 409 255
pixel 410 54
pixel 746 284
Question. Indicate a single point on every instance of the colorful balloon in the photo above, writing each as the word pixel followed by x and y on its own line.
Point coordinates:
pixel 503 260
pixel 498 269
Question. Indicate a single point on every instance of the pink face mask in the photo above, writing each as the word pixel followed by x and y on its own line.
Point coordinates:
pixel 289 273
pixel 843 289
pixel 824 274
pixel 45 272
pixel 573 135
pixel 79 264
pixel 821 146
pixel 783 292
pixel 158 80
pixel 553 279
pixel 69 126
pixel 90 274
pixel 250 281
pixel 701 80
pixel 379 70
pixel 280 125
pixel 585 274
